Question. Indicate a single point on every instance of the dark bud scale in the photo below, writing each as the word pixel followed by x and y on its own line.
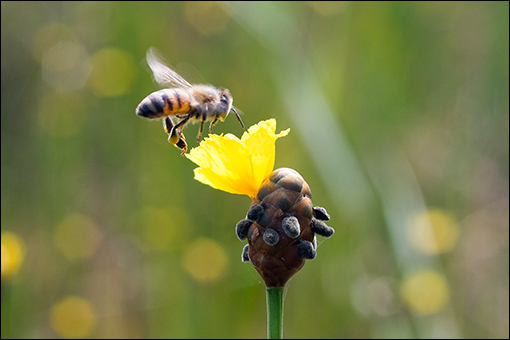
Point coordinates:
pixel 280 226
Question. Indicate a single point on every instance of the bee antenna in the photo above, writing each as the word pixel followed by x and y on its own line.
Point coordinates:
pixel 238 117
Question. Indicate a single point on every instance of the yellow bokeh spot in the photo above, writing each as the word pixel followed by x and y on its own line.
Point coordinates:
pixel 113 72
pixel 77 237
pixel 434 231
pixel 207 17
pixel 425 292
pixel 73 317
pixel 160 229
pixel 13 253
pixel 205 260
pixel 62 114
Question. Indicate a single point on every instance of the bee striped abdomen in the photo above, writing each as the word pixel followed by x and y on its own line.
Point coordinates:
pixel 162 103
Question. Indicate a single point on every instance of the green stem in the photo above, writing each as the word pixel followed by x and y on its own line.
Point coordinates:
pixel 274 298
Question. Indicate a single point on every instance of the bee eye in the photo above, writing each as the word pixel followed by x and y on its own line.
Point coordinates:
pixel 224 99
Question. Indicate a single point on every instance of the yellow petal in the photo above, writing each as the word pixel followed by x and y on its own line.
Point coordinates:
pixel 260 140
pixel 234 165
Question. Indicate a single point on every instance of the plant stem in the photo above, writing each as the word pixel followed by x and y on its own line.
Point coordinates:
pixel 274 298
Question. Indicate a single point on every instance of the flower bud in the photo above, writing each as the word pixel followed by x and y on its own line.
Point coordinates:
pixel 280 227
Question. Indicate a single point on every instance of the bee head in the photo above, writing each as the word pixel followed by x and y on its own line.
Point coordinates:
pixel 226 102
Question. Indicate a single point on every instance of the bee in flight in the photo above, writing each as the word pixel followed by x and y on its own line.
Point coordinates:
pixel 184 101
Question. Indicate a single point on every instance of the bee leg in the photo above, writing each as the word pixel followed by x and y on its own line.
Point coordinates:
pixel 213 123
pixel 171 131
pixel 199 137
pixel 168 125
pixel 182 122
pixel 181 144
pixel 175 136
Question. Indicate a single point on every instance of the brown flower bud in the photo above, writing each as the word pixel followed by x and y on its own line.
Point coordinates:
pixel 280 227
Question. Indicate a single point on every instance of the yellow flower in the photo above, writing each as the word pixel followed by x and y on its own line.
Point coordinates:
pixel 234 165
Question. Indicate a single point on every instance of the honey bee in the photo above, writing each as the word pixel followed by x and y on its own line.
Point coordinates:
pixel 183 101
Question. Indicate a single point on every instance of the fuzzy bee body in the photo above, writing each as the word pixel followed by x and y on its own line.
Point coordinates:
pixel 184 101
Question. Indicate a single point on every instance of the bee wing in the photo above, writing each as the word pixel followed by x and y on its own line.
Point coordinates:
pixel 164 75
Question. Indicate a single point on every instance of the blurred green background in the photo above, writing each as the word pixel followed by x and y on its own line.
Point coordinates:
pixel 399 123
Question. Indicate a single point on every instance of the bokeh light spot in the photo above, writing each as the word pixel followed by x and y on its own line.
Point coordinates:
pixel 425 292
pixel 205 260
pixel 13 253
pixel 66 66
pixel 73 317
pixel 160 229
pixel 62 114
pixel 434 231
pixel 206 17
pixel 113 72
pixel 77 237
pixel 50 35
